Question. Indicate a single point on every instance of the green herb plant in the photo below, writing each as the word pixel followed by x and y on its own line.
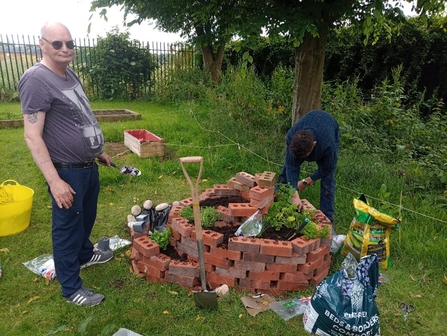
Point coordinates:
pixel 208 215
pixel 162 238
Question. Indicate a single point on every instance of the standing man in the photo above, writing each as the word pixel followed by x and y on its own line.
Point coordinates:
pixel 64 139
pixel 315 138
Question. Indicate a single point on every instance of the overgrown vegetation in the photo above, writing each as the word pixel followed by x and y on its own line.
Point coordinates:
pixel 122 68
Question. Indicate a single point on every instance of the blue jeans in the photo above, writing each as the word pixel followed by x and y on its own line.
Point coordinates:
pixel 72 227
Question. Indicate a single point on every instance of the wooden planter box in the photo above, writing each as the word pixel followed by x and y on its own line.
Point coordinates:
pixel 144 143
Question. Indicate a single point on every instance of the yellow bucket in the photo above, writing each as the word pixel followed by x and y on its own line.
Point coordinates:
pixel 16 202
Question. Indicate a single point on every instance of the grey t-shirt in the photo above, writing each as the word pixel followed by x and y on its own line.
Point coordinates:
pixel 71 131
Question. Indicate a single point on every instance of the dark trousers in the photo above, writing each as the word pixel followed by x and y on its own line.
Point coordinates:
pixel 72 227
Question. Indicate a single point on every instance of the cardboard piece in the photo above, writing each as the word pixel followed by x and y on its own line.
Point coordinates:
pixel 257 304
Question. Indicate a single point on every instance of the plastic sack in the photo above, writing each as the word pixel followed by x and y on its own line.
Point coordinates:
pixel 289 308
pixel 159 219
pixel 344 306
pixel 369 233
pixel 43 266
pixel 252 226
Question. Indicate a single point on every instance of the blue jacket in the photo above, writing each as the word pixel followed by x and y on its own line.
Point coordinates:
pixel 325 131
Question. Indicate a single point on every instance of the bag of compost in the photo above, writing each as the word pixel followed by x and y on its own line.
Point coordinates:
pixel 344 306
pixel 369 233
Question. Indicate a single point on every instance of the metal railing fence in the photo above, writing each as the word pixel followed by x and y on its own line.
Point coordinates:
pixel 19 52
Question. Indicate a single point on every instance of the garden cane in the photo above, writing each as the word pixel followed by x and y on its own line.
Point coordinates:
pixel 204 298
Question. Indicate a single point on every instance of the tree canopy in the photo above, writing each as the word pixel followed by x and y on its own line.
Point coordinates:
pixel 211 24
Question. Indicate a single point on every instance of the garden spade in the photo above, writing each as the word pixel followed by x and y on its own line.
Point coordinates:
pixel 204 298
pixel 127 170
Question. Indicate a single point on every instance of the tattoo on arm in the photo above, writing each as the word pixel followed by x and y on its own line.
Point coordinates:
pixel 32 118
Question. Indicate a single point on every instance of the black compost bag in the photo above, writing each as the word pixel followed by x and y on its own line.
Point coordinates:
pixel 346 306
pixel 159 219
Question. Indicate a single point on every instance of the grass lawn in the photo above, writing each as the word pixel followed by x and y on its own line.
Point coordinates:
pixel 32 305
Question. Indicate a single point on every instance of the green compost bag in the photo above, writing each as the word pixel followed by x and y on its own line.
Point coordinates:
pixel 369 233
pixel 343 306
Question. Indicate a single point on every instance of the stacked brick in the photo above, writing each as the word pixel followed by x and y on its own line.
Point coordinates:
pixel 249 264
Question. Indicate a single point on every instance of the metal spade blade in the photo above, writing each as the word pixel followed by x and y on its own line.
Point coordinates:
pixel 127 170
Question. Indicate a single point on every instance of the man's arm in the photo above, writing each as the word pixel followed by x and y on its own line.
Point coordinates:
pixel 33 128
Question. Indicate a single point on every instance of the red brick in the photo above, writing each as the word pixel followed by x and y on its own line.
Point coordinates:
pixel 327 261
pixel 309 267
pixel 320 277
pixel 232 272
pixel 298 277
pixel 225 190
pixel 318 253
pixel 225 214
pixel 259 285
pixel 173 241
pixel 321 218
pixel 146 246
pixel 267 179
pixel 223 253
pixel 217 280
pixel 246 179
pixel 186 202
pixel 307 205
pixel 241 209
pixel 249 266
pixel 213 260
pixel 302 245
pixel 136 269
pixel 135 255
pixel 160 261
pixel 212 238
pixel 257 257
pixel 234 184
pixel 291 286
pixel 182 226
pixel 185 249
pixel 285 268
pixel 183 268
pixel 258 193
pixel 175 234
pixel 154 280
pixel 150 270
pixel 244 244
pixel 276 247
pixel 184 281
pixel 206 195
pixel 260 204
pixel 174 212
pixel 265 275
pixel 246 195
pixel 295 259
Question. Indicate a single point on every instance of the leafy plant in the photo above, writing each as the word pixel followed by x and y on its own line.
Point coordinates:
pixel 311 230
pixel 208 215
pixel 162 238
pixel 187 213
pixel 324 232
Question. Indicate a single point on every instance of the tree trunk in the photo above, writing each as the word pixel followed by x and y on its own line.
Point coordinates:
pixel 308 81
pixel 213 61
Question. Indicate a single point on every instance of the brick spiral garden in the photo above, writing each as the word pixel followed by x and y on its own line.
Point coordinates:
pixel 250 264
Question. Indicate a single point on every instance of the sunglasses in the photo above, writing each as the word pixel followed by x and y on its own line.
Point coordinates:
pixel 58 44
